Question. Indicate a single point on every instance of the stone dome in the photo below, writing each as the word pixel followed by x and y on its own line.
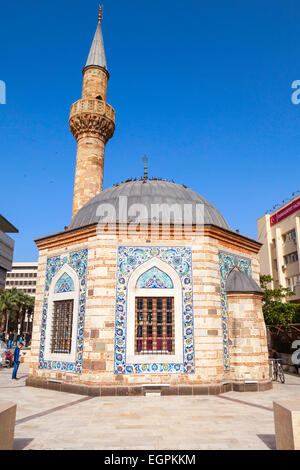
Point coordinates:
pixel 147 194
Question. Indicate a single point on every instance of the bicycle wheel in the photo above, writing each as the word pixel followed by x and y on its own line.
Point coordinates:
pixel 275 373
pixel 281 374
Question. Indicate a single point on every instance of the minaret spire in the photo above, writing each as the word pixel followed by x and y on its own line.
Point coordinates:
pixel 92 122
pixel 97 52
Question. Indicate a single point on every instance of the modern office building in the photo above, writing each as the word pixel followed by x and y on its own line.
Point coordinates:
pixel 23 277
pixel 7 245
pixel 279 232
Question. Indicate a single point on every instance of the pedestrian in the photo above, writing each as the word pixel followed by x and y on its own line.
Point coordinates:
pixel 2 336
pixel 10 340
pixel 17 358
pixel 277 356
pixel 27 339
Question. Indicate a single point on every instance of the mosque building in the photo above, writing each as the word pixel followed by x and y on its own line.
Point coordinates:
pixel 147 288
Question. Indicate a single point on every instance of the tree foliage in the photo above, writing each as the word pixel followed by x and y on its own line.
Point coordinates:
pixel 276 310
pixel 17 304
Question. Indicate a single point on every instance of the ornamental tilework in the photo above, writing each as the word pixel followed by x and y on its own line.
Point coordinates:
pixel 64 284
pixel 154 278
pixel 180 259
pixel 227 262
pixel 77 261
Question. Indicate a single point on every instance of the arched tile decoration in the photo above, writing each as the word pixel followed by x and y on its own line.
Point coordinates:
pixel 154 278
pixel 78 262
pixel 64 284
pixel 180 259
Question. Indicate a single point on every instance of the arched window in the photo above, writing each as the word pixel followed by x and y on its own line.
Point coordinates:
pixel 154 314
pixel 62 316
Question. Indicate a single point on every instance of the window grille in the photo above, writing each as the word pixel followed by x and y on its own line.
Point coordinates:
pixel 62 327
pixel 154 332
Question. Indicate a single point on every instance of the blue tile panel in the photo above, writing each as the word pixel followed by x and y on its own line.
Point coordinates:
pixel 64 284
pixel 130 258
pixel 77 261
pixel 154 278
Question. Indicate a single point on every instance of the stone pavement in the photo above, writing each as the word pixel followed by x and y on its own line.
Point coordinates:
pixel 53 420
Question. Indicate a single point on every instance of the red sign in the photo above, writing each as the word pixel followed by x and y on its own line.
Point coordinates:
pixel 283 213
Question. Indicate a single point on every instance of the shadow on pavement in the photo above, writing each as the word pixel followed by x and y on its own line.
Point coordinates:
pixel 52 410
pixel 269 440
pixel 20 444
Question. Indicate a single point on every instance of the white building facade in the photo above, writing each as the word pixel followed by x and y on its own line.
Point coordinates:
pixel 23 277
pixel 279 233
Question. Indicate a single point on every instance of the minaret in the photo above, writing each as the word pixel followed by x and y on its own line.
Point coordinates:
pixel 92 122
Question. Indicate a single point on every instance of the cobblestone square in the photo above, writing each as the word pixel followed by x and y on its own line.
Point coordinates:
pixel 54 420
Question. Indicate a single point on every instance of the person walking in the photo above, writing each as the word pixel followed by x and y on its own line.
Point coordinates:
pixel 10 340
pixel 17 358
pixel 27 339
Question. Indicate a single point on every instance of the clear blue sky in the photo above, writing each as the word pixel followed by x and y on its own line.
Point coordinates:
pixel 202 86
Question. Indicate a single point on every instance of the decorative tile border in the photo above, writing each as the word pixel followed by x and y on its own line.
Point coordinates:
pixel 130 258
pixel 227 262
pixel 77 261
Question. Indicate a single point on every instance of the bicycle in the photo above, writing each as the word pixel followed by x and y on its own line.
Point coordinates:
pixel 277 370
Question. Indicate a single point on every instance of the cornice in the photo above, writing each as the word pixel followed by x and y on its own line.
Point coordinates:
pixel 82 234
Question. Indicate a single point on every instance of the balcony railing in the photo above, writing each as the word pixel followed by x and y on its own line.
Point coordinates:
pixel 296 290
pixel 93 106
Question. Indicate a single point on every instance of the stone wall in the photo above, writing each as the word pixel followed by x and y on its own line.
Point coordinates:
pixel 94 83
pixel 98 357
pixel 89 167
pixel 247 334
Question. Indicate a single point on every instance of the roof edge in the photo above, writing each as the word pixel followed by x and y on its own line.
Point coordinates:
pixel 255 244
pixel 6 226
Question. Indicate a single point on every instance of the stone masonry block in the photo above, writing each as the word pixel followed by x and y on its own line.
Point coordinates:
pixel 7 425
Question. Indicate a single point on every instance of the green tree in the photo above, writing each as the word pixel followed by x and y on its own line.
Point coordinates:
pixel 8 303
pixel 277 312
pixel 27 308
pixel 20 302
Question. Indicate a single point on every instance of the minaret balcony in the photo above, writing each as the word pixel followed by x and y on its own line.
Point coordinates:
pixel 92 117
pixel 93 106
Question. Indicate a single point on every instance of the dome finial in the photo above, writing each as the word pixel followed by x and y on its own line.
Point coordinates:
pixel 145 160
pixel 100 16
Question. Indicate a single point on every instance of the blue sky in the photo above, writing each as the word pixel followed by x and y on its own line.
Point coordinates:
pixel 203 87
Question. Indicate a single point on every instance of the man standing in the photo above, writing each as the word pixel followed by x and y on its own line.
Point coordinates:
pixel 17 358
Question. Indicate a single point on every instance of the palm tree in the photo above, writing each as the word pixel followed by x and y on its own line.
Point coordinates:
pixel 21 299
pixel 27 307
pixel 8 302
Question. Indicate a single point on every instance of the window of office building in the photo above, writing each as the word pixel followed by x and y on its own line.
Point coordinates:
pixel 291 258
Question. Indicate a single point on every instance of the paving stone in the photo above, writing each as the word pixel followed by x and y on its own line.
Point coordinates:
pixel 48 419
